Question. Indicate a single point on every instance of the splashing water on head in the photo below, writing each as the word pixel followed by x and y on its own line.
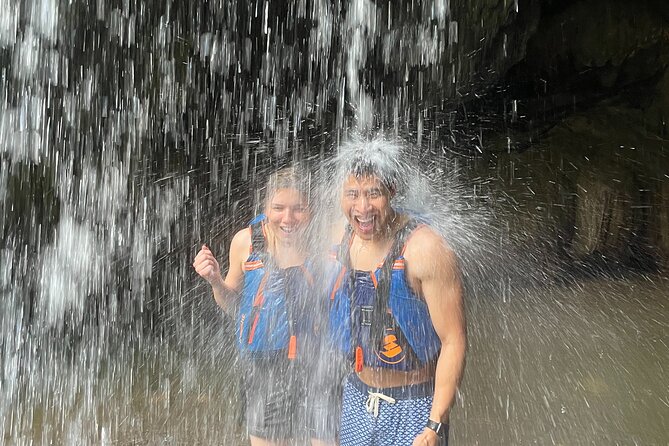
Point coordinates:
pixel 426 191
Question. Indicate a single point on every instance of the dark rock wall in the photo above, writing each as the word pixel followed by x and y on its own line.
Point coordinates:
pixel 590 163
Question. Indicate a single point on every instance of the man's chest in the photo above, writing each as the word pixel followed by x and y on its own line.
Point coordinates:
pixel 368 257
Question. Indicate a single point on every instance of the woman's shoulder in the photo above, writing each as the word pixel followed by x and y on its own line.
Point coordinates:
pixel 241 241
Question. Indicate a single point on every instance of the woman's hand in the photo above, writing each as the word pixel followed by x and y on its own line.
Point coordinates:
pixel 207 267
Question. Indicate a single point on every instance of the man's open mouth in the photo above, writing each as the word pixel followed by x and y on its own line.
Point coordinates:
pixel 365 224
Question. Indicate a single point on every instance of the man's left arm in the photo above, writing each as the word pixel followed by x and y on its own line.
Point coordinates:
pixel 432 269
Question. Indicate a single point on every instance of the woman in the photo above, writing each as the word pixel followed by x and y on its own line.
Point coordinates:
pixel 270 282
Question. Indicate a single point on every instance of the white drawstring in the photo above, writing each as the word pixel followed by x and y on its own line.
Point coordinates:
pixel 372 404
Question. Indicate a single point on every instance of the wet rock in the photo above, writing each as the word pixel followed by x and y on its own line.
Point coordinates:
pixel 656 113
pixel 493 36
pixel 610 43
pixel 613 167
pixel 592 190
pixel 605 224
pixel 658 228
pixel 534 211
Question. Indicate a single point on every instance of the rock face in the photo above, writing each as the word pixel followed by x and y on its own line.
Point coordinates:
pixel 656 113
pixel 605 44
pixel 493 36
pixel 587 156
pixel 659 222
pixel 595 186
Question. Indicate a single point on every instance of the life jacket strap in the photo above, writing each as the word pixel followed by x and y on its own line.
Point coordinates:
pixel 259 247
pixel 381 308
pixel 382 301
pixel 258 241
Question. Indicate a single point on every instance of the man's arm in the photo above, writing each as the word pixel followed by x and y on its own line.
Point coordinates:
pixel 433 272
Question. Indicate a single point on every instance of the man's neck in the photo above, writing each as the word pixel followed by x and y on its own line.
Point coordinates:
pixel 366 254
pixel 386 234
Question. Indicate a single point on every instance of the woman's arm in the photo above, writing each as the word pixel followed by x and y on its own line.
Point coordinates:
pixel 205 264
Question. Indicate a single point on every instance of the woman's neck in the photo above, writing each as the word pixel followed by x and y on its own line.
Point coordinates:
pixel 286 253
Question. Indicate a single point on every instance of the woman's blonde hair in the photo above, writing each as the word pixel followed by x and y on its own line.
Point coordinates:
pixel 291 177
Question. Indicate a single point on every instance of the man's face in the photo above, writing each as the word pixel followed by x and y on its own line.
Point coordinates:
pixel 287 213
pixel 366 203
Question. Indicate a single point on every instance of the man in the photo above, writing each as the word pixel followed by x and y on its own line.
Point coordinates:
pixel 397 312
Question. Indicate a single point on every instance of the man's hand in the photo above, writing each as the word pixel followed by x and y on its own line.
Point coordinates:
pixel 426 438
pixel 207 267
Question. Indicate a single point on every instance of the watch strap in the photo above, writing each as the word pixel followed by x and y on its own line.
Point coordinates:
pixel 438 428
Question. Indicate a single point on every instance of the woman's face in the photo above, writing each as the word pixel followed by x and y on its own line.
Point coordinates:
pixel 287 213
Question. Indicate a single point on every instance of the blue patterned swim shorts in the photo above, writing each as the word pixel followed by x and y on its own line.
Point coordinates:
pixel 392 416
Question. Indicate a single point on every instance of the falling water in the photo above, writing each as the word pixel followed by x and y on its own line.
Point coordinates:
pixel 133 131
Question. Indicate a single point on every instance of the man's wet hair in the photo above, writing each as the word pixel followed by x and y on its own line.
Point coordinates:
pixel 361 168
pixel 378 158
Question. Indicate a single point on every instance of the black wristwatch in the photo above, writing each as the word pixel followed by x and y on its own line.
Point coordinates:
pixel 438 428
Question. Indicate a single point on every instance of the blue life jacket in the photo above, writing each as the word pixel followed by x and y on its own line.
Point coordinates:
pixel 272 312
pixel 375 317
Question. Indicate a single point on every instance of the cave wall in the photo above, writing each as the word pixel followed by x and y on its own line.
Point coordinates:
pixel 591 173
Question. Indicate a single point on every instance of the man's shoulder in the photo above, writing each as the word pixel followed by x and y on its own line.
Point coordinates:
pixel 425 244
pixel 423 235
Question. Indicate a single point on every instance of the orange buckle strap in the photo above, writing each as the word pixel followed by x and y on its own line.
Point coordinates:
pixel 374 281
pixel 253 328
pixel 292 347
pixel 337 284
pixel 257 304
pixel 359 359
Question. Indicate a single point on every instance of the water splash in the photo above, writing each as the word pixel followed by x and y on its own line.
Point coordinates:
pixel 131 132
